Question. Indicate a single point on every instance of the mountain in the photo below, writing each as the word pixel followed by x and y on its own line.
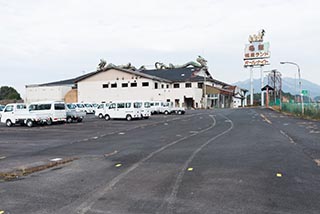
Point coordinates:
pixel 290 85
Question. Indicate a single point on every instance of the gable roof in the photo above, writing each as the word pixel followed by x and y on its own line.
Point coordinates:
pixel 182 75
pixel 60 83
pixel 175 74
pixel 138 73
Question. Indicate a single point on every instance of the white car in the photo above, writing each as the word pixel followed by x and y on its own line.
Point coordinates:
pixel 145 109
pixel 88 108
pixel 101 110
pixel 17 113
pixel 72 114
pixel 124 110
pixel 55 109
pixel 1 109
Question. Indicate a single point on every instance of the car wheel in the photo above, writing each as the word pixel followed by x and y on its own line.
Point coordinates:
pixel 79 120
pixel 100 116
pixel 49 122
pixel 9 123
pixel 179 112
pixel 29 123
pixel 107 117
pixel 69 120
pixel 166 112
pixel 128 117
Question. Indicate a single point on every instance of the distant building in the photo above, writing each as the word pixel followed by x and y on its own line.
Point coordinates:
pixel 191 87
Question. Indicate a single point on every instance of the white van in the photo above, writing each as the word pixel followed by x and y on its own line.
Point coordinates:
pixel 145 109
pixel 17 113
pixel 88 108
pixel 101 110
pixel 124 110
pixel 155 107
pixel 55 109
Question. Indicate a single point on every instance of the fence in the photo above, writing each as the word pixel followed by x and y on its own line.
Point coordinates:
pixel 311 110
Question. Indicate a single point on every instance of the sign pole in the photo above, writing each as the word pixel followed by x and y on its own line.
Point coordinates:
pixel 251 85
pixel 262 84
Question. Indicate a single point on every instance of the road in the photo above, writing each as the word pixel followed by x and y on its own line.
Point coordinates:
pixel 216 161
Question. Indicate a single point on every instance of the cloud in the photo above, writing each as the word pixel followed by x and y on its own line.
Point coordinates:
pixel 51 40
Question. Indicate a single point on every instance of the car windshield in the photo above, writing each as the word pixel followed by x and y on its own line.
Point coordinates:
pixel 147 105
pixel 80 105
pixel 88 105
pixel 71 106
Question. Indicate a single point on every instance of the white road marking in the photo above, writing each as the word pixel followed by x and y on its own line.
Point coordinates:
pixel 86 205
pixel 287 136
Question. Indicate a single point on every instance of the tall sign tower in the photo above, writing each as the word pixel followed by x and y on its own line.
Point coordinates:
pixel 256 55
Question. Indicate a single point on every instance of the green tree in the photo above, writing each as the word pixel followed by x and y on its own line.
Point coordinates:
pixel 9 93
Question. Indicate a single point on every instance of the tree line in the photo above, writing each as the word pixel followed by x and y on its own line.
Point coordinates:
pixel 9 93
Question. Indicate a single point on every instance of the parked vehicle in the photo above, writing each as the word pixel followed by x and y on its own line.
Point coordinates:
pixel 1 109
pixel 17 113
pixel 79 107
pixel 55 109
pixel 124 110
pixel 145 109
pixel 178 110
pixel 88 108
pixel 167 108
pixel 72 114
pixel 155 107
pixel 101 110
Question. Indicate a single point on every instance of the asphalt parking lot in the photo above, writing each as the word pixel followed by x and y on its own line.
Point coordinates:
pixel 210 161
pixel 26 146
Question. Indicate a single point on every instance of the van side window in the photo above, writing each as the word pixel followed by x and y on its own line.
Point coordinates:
pixel 137 105
pixel 8 109
pixel 120 105
pixel 43 107
pixel 59 106
pixel 21 106
pixel 128 105
pixel 112 106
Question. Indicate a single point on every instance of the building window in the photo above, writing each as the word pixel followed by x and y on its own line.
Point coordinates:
pixel 200 85
pixel 156 85
pixel 145 84
pixel 188 85
pixel 105 86
pixel 113 85
pixel 162 85
pixel 133 84
pixel 176 85
pixel 167 85
pixel 124 85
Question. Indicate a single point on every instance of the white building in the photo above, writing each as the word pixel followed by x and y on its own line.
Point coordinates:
pixel 48 91
pixel 180 86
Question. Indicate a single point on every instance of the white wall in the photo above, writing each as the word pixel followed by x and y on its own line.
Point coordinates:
pixel 91 89
pixel 46 93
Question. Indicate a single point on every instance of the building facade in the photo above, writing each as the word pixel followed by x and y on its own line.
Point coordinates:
pixel 190 86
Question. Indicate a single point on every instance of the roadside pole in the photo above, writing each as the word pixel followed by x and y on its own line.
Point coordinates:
pixel 262 84
pixel 251 85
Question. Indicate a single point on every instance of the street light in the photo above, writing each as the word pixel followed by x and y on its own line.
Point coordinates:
pixel 300 87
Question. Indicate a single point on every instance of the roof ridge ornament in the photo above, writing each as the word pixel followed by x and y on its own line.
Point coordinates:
pixel 257 37
pixel 200 63
pixel 103 65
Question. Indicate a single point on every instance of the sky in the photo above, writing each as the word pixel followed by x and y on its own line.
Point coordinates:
pixel 44 41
